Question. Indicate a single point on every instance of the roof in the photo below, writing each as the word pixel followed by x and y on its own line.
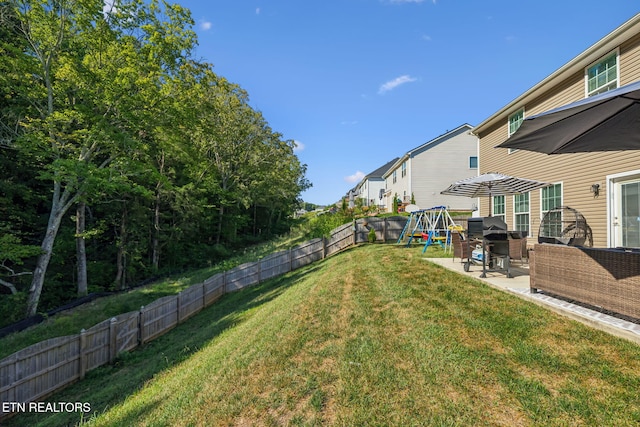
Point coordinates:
pixel 435 141
pixel 605 45
pixel 378 173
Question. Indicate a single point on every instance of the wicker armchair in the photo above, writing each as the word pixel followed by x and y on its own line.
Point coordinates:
pixel 518 249
pixel 461 248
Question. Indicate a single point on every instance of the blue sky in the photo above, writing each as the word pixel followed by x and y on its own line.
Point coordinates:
pixel 357 83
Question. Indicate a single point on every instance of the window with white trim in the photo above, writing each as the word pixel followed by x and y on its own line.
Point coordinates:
pixel 521 211
pixel 515 120
pixel 473 162
pixel 603 75
pixel 404 168
pixel 498 208
pixel 551 198
pixel 395 176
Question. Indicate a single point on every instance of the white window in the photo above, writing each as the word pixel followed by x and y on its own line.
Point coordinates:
pixel 395 176
pixel 521 212
pixel 515 120
pixel 552 199
pixel 404 168
pixel 603 75
pixel 498 208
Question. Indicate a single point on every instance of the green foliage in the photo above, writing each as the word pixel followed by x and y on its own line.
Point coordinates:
pixel 321 225
pixel 371 236
pixel 174 165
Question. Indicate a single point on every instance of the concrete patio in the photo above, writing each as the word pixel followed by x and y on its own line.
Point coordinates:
pixel 519 286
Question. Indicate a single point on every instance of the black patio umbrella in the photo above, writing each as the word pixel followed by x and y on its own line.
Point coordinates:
pixel 609 121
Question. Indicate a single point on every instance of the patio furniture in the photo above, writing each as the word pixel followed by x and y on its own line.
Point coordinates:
pixel 518 249
pixel 461 247
pixel 603 278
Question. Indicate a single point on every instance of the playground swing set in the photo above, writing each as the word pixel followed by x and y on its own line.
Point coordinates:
pixel 432 226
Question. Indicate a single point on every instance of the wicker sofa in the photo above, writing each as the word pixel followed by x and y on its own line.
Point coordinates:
pixel 606 278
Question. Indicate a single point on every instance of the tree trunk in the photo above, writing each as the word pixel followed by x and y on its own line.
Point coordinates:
pixel 37 282
pixel 219 230
pixel 120 279
pixel 81 250
pixel 155 238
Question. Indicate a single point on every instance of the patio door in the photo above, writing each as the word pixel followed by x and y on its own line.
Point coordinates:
pixel 626 213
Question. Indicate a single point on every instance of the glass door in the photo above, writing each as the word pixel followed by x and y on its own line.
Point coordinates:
pixel 626 219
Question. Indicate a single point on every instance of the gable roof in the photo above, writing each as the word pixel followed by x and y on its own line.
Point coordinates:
pixel 590 55
pixel 378 173
pixel 427 145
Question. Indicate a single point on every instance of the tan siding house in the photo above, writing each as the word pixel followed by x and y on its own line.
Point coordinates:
pixel 430 168
pixel 615 62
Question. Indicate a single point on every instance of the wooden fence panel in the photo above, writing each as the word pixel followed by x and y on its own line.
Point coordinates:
pixel 341 238
pixel 306 253
pixel 191 301
pixel 127 330
pixel 158 317
pixel 244 275
pixel 97 351
pixel 40 369
pixel 394 226
pixel 214 288
pixel 275 265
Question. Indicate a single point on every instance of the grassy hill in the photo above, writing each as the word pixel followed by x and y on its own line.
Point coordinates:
pixel 373 336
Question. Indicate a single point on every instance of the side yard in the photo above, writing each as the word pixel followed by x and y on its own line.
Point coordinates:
pixel 372 336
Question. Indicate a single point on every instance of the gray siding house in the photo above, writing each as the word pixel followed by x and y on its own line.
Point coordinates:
pixel 430 168
pixel 372 186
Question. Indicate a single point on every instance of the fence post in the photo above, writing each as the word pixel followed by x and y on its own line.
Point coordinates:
pixel 260 271
pixel 224 282
pixel 354 228
pixel 204 296
pixel 290 259
pixel 324 247
pixel 141 325
pixel 83 344
pixel 384 230
pixel 178 305
pixel 113 340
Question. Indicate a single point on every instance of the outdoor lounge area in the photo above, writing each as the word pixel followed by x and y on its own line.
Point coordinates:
pixel 605 278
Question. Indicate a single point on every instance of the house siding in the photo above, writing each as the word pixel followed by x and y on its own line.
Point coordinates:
pixel 432 167
pixel 433 170
pixel 577 172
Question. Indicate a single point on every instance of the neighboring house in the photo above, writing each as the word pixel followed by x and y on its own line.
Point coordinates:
pixel 430 168
pixel 372 186
pixel 612 212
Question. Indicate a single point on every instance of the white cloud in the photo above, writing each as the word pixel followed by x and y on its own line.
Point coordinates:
pixel 297 146
pixel 392 84
pixel 205 25
pixel 356 177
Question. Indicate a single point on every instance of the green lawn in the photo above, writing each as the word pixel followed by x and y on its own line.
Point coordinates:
pixel 373 336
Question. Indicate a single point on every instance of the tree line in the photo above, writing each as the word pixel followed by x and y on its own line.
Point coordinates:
pixel 122 155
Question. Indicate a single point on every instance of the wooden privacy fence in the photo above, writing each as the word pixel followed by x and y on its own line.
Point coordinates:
pixel 43 368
